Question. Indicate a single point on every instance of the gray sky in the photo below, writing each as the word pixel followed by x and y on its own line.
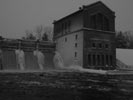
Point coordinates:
pixel 18 15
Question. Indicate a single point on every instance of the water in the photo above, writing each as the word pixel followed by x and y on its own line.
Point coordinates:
pixel 77 84
pixel 20 59
pixel 58 61
pixel 40 59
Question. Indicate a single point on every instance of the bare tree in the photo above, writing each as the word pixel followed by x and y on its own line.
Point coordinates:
pixel 29 35
pixel 39 30
pixel 44 32
pixel 49 32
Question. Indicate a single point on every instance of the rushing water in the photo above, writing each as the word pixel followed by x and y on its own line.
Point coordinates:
pixel 58 85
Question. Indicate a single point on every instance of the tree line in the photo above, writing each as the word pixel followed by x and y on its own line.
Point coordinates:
pixel 124 39
pixel 42 33
pixel 45 33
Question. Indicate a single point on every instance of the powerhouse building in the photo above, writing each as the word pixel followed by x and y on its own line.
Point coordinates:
pixel 87 37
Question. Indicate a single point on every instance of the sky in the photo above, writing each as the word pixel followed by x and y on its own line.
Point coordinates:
pixel 16 16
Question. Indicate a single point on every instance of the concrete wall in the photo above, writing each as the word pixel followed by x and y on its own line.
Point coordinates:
pixel 67 48
pixel 9 61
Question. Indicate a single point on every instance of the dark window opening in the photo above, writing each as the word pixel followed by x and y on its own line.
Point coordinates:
pixel 65 39
pixel 98 59
pixel 100 22
pixel 89 59
pixel 69 26
pixel 76 37
pixel 107 60
pixel 76 45
pixel 75 54
pixel 103 60
pixel 63 27
pixel 93 21
pixel 100 45
pixel 94 60
pixel 106 24
pixel 106 46
pixel 93 45
pixel 111 60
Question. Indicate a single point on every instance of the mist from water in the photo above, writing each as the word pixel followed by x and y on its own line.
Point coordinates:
pixel 40 58
pixel 59 64
pixel 20 58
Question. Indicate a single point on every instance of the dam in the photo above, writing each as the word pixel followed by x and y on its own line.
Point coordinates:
pixel 26 54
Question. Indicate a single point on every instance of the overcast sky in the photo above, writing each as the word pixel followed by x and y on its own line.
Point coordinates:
pixel 18 15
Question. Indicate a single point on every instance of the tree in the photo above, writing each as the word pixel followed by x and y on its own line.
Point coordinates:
pixel 39 30
pixel 121 41
pixel 1 38
pixel 44 32
pixel 45 37
pixel 29 35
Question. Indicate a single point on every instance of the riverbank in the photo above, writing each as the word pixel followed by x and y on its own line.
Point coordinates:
pixel 63 85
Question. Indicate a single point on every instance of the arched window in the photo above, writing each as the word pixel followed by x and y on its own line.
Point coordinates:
pixel 111 60
pixel 100 22
pixel 107 60
pixel 94 60
pixel 89 59
pixel 98 59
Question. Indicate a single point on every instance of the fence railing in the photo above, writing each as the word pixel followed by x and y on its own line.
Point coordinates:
pixel 27 45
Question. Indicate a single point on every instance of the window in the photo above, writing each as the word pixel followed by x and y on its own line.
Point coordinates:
pixel 107 60
pixel 111 60
pixel 100 45
pixel 63 28
pixel 89 59
pixel 75 54
pixel 103 60
pixel 94 60
pixel 94 45
pixel 76 45
pixel 65 39
pixel 93 21
pixel 69 26
pixel 76 37
pixel 106 24
pixel 98 59
pixel 106 46
pixel 100 22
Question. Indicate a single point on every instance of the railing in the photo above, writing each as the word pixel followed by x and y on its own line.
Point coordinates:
pixel 27 45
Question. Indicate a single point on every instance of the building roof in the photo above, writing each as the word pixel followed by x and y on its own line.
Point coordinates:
pixel 125 55
pixel 83 8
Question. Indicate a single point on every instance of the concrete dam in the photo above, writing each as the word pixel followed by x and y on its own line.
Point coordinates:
pixel 26 55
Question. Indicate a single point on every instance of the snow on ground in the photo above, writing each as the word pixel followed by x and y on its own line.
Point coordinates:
pixel 125 55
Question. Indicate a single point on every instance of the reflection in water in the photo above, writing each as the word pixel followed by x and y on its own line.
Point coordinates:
pixel 40 58
pixel 20 58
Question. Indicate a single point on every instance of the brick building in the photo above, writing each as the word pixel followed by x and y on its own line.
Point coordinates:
pixel 86 37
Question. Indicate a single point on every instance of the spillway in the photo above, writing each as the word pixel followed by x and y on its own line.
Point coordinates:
pixel 12 57
pixel 9 60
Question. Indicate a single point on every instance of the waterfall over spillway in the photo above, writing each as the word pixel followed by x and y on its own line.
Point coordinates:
pixel 40 59
pixel 20 59
pixel 58 61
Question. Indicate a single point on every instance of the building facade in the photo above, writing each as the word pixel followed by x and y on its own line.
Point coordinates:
pixel 87 37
